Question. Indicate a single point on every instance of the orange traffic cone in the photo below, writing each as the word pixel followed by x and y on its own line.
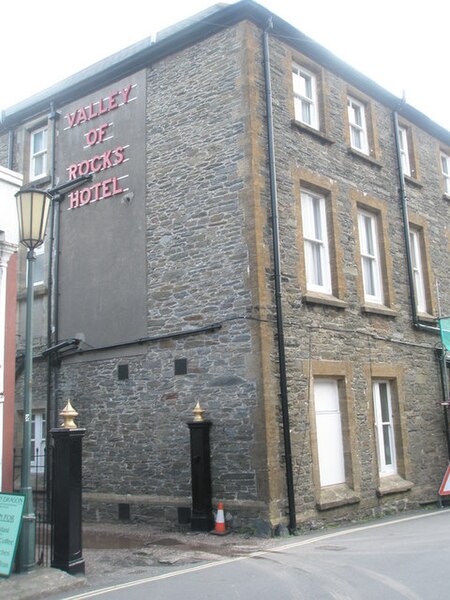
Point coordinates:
pixel 220 528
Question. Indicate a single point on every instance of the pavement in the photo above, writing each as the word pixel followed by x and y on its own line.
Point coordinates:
pixel 119 552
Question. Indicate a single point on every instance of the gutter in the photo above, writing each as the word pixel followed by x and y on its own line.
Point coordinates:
pixel 277 278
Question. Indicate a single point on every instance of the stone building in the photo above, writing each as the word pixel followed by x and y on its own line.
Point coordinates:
pixel 267 232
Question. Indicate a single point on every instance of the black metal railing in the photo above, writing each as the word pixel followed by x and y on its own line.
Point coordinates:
pixel 39 481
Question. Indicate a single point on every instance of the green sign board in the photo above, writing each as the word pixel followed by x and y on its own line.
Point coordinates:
pixel 11 510
pixel 444 324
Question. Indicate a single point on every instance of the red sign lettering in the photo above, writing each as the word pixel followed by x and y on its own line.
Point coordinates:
pixel 101 162
pixel 95 136
pixel 108 159
pixel 99 191
pixel 101 107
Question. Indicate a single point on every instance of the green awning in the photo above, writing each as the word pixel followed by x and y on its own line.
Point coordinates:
pixel 444 325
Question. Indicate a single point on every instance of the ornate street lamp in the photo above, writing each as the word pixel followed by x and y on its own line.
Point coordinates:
pixel 32 207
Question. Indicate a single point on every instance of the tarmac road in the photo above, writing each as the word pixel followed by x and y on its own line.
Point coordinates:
pixel 397 558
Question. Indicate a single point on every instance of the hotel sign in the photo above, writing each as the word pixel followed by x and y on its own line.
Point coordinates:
pixel 102 260
pixel 101 146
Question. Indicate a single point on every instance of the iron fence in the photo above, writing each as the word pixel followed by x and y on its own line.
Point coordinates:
pixel 41 486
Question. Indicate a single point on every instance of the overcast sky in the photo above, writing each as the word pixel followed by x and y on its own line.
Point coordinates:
pixel 401 44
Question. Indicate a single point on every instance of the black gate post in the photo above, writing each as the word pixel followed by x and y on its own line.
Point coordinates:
pixel 66 501
pixel 202 516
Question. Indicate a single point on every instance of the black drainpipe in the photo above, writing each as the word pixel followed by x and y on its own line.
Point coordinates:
pixel 404 203
pixel 51 391
pixel 277 277
pixel 412 292
pixel 11 149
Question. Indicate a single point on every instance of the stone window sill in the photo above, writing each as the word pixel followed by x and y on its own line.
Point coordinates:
pixel 412 181
pixel 315 298
pixel 313 132
pixel 393 484
pixel 365 157
pixel 378 310
pixel 39 290
pixel 333 496
pixel 427 318
pixel 45 179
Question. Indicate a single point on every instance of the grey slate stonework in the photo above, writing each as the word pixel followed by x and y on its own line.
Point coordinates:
pixel 331 334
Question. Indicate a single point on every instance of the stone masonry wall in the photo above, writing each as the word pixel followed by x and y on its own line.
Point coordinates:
pixel 137 440
pixel 346 334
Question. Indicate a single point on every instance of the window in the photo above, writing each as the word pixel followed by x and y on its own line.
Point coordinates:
pixel 445 165
pixel 315 235
pixel 334 448
pixel 404 150
pixel 357 124
pixel 320 264
pixel 39 265
pixel 305 96
pixel 384 427
pixel 38 153
pixel 370 257
pixel 417 268
pixel 38 435
pixel 329 432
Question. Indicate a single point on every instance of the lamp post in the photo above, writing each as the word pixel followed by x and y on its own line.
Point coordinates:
pixel 32 207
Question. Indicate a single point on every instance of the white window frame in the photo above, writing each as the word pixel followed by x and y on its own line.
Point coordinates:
pixel 305 100
pixel 330 446
pixel 370 257
pixel 417 267
pixel 358 125
pixel 38 156
pixel 384 427
pixel 404 150
pixel 445 167
pixel 316 243
pixel 38 443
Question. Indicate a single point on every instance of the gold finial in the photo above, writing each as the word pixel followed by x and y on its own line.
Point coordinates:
pixel 68 415
pixel 198 412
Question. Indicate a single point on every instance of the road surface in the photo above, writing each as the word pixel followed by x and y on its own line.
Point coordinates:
pixel 399 558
